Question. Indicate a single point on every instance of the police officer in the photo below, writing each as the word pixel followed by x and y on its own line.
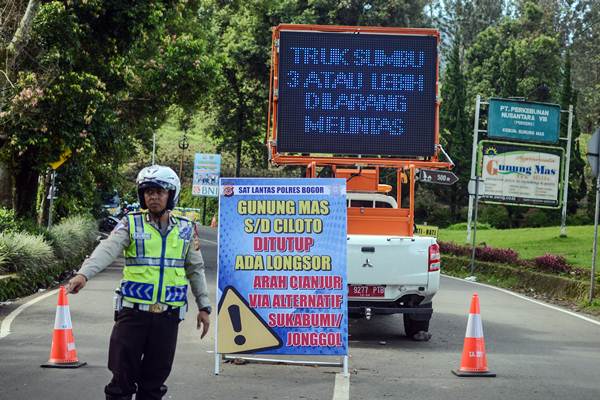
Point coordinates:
pixel 160 261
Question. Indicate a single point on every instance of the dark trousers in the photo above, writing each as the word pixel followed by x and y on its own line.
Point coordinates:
pixel 141 352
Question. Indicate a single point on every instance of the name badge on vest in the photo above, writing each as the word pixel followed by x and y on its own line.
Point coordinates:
pixel 141 236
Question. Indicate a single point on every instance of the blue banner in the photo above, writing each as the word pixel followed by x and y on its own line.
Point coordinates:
pixel 282 285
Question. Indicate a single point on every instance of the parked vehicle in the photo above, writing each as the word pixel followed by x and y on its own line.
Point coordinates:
pixel 390 273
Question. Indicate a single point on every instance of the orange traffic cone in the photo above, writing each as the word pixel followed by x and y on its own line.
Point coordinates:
pixel 63 353
pixel 474 361
pixel 213 223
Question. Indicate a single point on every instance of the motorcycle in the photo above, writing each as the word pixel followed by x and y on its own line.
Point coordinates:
pixel 111 220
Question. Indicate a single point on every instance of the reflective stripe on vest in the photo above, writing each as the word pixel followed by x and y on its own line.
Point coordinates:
pixel 155 263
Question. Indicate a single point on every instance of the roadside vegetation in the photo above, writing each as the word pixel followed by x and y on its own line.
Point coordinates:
pixel 529 243
pixel 30 261
pixel 535 261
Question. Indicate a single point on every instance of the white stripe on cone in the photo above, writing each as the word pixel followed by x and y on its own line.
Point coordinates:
pixel 474 326
pixel 62 320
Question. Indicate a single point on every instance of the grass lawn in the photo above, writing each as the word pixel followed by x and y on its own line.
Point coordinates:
pixel 533 242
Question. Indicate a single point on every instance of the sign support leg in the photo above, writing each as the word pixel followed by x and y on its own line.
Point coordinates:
pixel 51 198
pixel 563 219
pixel 595 250
pixel 472 277
pixel 473 162
pixel 346 373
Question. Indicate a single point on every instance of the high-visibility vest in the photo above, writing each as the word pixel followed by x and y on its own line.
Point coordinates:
pixel 155 263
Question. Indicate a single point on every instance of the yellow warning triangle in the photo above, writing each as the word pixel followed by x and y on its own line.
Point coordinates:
pixel 240 328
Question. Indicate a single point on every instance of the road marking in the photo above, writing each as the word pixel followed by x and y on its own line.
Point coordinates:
pixel 208 241
pixel 571 313
pixel 5 327
pixel 341 390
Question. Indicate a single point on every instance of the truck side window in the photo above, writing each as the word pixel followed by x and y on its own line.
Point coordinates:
pixel 361 203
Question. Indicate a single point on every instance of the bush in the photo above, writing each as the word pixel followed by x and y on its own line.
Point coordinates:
pixel 505 256
pixel 536 217
pixel 454 249
pixel 24 251
pixel 462 226
pixel 8 221
pixel 74 237
pixel 552 263
pixel 495 215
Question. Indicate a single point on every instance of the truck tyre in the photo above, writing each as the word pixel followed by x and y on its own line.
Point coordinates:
pixel 413 326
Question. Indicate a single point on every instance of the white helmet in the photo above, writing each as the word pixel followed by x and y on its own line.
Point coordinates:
pixel 162 177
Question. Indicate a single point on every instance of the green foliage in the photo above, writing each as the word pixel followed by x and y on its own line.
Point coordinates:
pixel 8 221
pixel 495 215
pixel 462 226
pixel 31 280
pixel 73 238
pixel 531 52
pixel 24 251
pixel 534 242
pixel 95 78
pixel 456 136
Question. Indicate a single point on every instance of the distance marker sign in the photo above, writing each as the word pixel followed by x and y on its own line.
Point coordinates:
pixel 356 94
pixel 282 285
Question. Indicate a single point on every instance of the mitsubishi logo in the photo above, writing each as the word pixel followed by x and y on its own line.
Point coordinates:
pixel 367 264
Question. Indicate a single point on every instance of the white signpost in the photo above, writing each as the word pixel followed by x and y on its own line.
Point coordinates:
pixel 593 156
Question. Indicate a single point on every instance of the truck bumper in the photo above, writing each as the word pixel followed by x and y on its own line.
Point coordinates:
pixel 421 312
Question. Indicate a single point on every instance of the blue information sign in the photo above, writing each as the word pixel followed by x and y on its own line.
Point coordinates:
pixel 524 121
pixel 282 285
pixel 347 93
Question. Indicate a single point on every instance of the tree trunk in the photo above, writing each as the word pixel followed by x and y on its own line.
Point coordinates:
pixel 26 185
pixel 21 35
pixel 238 158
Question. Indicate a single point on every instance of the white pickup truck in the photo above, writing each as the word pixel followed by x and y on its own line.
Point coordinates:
pixel 391 274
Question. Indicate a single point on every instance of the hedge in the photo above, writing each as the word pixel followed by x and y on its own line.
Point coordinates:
pixel 519 278
pixel 40 263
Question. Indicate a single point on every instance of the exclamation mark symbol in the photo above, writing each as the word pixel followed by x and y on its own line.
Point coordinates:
pixel 236 321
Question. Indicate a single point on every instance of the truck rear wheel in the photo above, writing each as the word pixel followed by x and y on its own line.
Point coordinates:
pixel 413 326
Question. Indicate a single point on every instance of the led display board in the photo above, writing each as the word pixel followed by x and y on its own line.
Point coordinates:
pixel 356 93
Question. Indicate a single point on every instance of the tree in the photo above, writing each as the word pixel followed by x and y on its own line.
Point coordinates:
pixel 463 20
pixel 514 58
pixel 240 34
pixel 100 75
pixel 454 126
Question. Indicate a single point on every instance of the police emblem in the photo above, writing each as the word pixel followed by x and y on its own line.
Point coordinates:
pixel 228 191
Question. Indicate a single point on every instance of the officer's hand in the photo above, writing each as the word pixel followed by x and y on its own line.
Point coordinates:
pixel 203 322
pixel 76 284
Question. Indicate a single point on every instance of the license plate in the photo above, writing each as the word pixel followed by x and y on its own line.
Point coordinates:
pixel 366 290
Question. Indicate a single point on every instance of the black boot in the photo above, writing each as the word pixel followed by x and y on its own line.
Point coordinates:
pixel 113 397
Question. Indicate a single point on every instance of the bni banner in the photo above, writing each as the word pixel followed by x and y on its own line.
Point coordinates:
pixel 282 267
pixel 518 174
pixel 207 168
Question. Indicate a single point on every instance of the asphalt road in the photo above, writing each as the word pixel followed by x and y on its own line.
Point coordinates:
pixel 537 353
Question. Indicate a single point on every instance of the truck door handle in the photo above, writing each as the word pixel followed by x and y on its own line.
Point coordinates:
pixel 368 249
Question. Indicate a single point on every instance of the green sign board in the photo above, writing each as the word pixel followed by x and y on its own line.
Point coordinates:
pixel 524 121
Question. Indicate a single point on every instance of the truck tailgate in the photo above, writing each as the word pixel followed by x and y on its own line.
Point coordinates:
pixel 388 260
